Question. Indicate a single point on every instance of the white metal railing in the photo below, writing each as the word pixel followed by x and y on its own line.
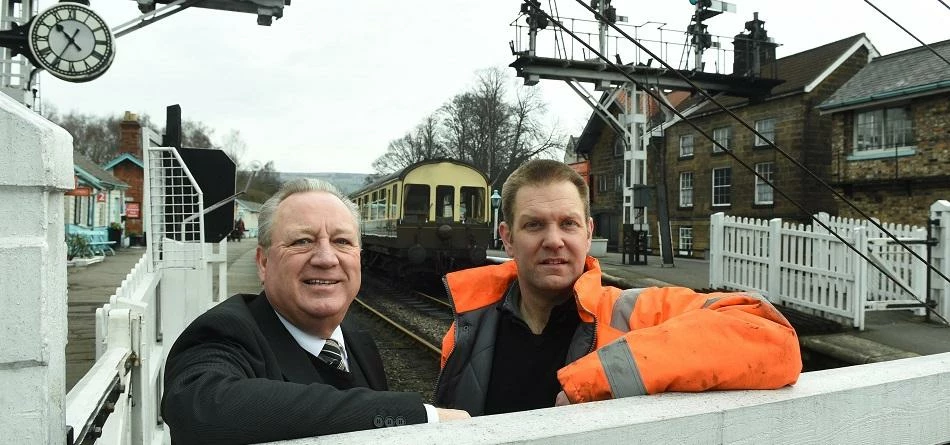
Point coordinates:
pixel 118 400
pixel 808 267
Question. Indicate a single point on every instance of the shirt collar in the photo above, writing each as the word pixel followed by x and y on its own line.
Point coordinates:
pixel 312 343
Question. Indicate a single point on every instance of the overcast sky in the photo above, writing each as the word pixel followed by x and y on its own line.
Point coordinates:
pixel 325 88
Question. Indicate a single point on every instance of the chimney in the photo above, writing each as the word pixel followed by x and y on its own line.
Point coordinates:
pixel 130 135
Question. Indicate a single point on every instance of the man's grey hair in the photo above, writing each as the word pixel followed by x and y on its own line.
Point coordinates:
pixel 265 220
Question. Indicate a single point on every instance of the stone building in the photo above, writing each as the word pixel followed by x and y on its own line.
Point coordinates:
pixel 890 136
pixel 702 179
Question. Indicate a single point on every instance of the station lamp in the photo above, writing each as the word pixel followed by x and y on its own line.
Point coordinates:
pixel 495 203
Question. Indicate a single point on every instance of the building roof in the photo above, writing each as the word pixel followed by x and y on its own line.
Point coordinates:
pixel 249 205
pixel 916 71
pixel 91 173
pixel 124 157
pixel 802 72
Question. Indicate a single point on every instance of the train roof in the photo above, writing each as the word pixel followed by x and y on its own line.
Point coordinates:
pixel 402 174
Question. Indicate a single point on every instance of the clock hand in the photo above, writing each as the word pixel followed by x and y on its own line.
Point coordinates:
pixel 70 39
pixel 73 40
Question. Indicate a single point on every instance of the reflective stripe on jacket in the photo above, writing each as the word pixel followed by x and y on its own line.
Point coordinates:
pixel 631 342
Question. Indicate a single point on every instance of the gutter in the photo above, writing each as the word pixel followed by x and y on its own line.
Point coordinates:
pixel 902 93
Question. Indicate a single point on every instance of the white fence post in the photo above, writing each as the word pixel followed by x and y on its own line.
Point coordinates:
pixel 940 288
pixel 716 227
pixel 774 286
pixel 186 290
pixel 36 168
pixel 860 277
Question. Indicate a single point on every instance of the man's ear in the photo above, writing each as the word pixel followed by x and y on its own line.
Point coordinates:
pixel 261 259
pixel 504 231
pixel 590 228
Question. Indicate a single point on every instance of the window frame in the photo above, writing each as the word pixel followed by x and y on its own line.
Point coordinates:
pixel 716 137
pixel 720 187
pixel 687 247
pixel 760 185
pixel 770 133
pixel 884 134
pixel 691 147
pixel 684 191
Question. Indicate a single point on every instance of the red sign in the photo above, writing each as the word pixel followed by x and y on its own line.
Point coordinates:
pixel 79 191
pixel 132 210
pixel 100 197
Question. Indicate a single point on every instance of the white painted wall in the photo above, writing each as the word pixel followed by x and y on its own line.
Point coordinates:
pixel 901 401
pixel 36 168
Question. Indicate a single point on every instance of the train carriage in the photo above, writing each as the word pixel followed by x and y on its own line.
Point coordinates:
pixel 431 217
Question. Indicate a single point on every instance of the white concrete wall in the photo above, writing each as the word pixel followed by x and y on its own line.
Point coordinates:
pixel 36 167
pixel 901 401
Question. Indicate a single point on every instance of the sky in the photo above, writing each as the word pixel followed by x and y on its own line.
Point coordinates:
pixel 326 87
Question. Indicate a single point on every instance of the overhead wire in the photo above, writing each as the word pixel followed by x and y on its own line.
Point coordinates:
pixel 744 164
pixel 908 31
pixel 944 4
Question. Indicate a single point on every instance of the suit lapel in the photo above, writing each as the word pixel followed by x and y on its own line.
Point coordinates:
pixel 293 360
pixel 363 357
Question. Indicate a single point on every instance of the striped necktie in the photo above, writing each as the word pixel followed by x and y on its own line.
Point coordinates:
pixel 332 355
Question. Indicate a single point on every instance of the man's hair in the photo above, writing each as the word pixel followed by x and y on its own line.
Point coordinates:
pixel 265 220
pixel 537 172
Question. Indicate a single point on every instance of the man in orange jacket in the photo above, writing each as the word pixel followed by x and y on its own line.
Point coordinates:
pixel 541 330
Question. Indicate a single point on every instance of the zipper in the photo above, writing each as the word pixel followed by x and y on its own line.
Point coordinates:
pixel 455 316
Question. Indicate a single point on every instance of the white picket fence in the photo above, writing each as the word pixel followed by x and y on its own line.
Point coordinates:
pixel 809 268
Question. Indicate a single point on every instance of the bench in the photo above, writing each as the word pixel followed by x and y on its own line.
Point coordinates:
pixel 96 237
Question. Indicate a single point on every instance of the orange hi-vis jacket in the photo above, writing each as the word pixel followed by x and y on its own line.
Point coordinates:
pixel 629 342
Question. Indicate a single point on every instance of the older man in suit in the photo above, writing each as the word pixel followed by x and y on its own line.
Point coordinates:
pixel 284 363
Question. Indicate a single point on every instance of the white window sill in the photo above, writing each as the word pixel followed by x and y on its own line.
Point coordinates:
pixel 882 153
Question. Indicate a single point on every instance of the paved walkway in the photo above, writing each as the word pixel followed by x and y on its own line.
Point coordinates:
pixel 888 334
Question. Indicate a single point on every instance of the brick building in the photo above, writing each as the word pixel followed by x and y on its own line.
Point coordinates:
pixel 701 179
pixel 129 166
pixel 891 136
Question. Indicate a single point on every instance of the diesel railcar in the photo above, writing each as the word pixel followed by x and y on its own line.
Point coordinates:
pixel 431 217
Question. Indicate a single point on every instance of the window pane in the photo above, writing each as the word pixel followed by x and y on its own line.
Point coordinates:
pixel 765 127
pixel 763 191
pixel 722 183
pixel 686 145
pixel 723 136
pixel 686 189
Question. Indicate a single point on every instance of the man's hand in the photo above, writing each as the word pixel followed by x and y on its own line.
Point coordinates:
pixel 561 399
pixel 446 414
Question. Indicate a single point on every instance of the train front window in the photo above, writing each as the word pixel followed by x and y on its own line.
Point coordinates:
pixel 416 208
pixel 473 203
pixel 445 203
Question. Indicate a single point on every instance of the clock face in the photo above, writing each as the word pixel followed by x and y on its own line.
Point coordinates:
pixel 71 42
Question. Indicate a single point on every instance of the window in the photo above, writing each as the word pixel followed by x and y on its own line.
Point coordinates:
pixel 628 171
pixel 602 183
pixel 618 146
pixel 686 241
pixel 686 145
pixel 686 189
pixel 883 128
pixel 640 129
pixel 763 191
pixel 765 127
pixel 618 182
pixel 721 185
pixel 723 136
pixel 445 203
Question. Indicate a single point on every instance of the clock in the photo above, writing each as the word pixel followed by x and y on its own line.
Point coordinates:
pixel 71 42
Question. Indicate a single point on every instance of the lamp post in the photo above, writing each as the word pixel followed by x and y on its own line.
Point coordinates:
pixel 495 203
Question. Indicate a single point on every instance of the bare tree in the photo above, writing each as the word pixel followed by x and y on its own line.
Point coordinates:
pixel 419 145
pixel 484 126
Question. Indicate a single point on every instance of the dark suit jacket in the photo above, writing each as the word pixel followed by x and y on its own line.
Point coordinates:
pixel 235 375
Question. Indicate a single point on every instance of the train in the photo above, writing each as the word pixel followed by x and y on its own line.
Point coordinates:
pixel 431 217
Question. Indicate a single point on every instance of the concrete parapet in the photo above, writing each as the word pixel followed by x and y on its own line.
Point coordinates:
pixel 900 401
pixel 35 170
